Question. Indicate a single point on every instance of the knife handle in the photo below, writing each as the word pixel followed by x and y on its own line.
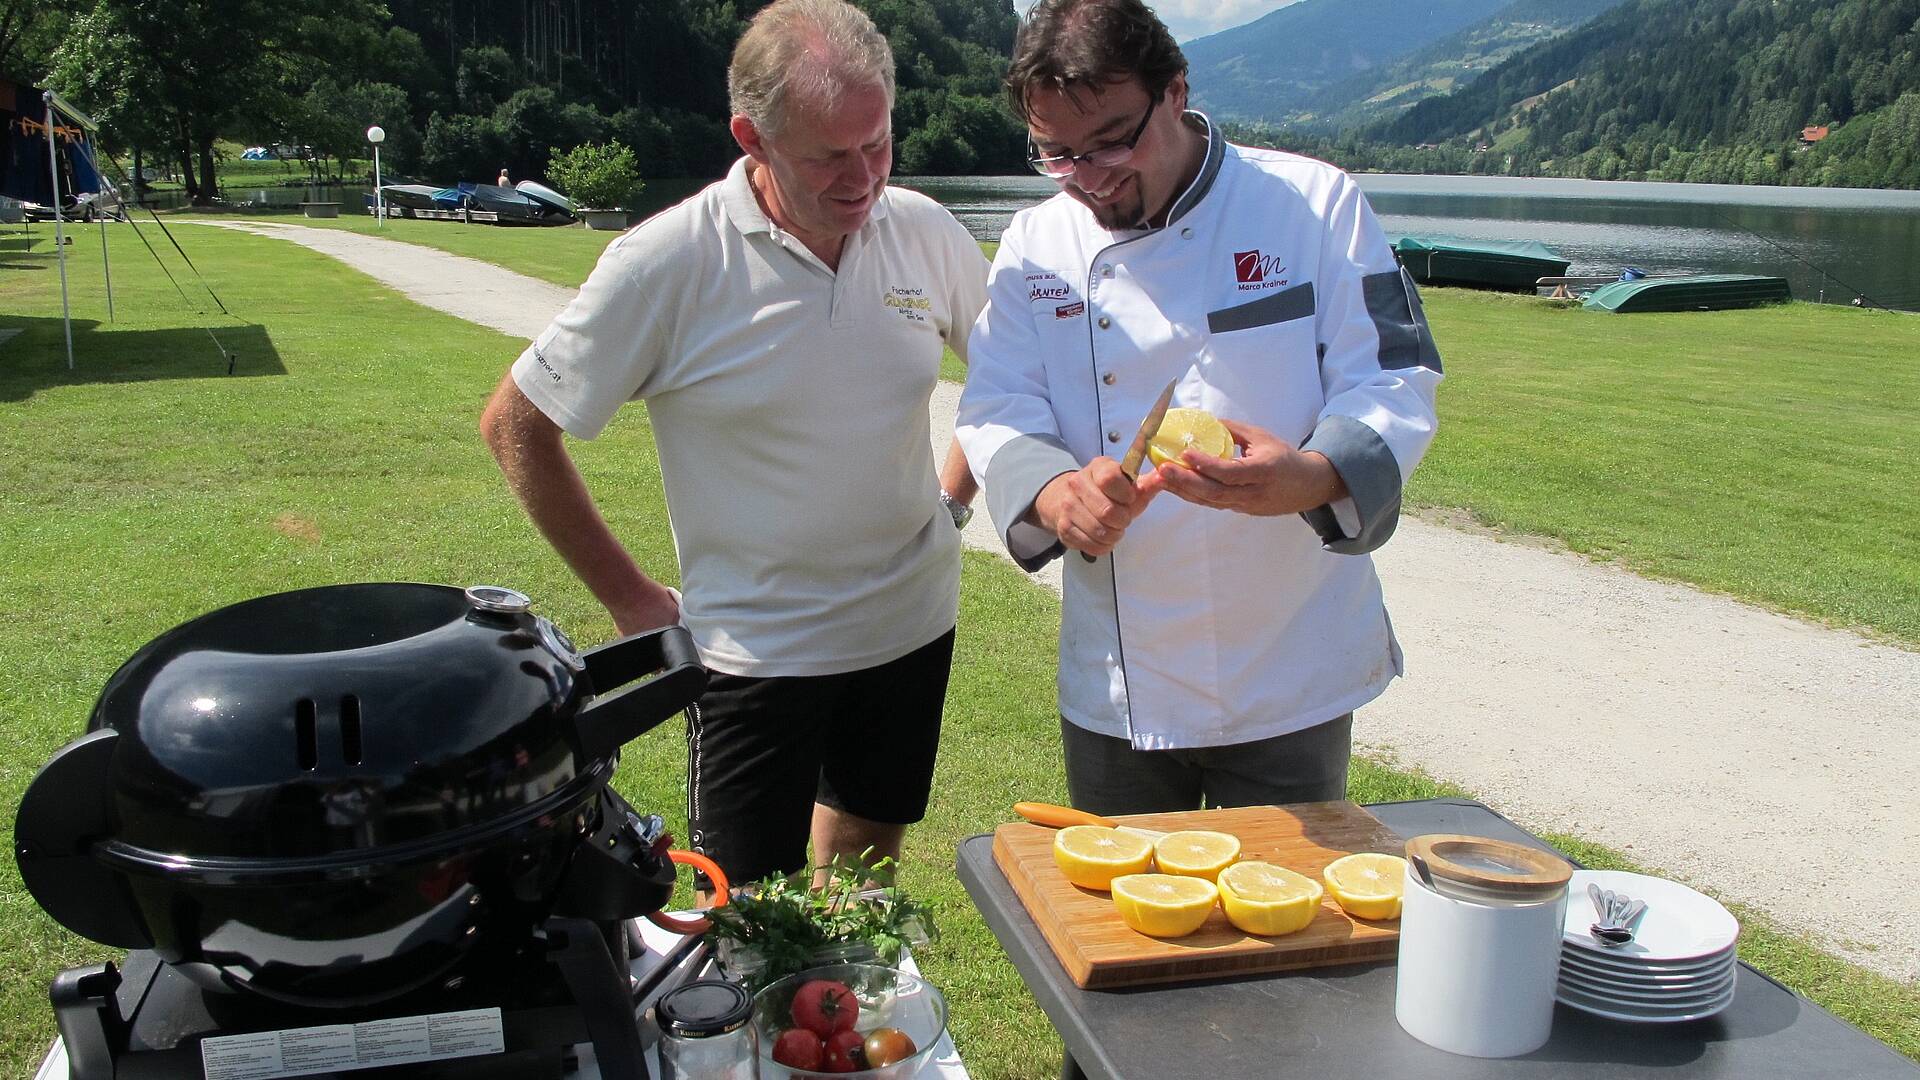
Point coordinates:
pixel 1059 817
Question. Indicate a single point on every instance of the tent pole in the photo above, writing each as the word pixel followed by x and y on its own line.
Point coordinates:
pixel 59 233
pixel 105 266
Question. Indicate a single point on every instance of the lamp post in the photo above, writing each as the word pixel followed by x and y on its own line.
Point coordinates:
pixel 376 137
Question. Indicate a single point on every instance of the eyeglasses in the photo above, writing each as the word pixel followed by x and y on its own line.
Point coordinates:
pixel 1062 165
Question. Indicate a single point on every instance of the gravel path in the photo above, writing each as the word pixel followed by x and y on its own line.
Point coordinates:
pixel 1770 760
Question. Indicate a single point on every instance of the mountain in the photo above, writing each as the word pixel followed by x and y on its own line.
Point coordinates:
pixel 1447 64
pixel 1718 90
pixel 1272 67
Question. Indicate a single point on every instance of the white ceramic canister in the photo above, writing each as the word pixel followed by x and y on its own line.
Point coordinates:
pixel 1480 951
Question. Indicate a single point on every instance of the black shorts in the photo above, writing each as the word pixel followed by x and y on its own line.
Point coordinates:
pixel 761 752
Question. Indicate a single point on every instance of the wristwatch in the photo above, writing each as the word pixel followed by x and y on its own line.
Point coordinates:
pixel 962 513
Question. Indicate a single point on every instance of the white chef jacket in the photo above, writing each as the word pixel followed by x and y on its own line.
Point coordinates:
pixel 1273 296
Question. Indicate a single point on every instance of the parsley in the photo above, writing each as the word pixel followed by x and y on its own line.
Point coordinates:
pixel 787 927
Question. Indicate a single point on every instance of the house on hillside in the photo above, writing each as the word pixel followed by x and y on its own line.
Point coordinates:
pixel 1812 134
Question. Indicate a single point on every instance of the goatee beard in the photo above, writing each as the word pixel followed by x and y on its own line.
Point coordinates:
pixel 1119 216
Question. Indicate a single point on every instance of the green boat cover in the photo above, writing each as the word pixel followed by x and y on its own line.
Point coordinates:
pixel 1512 249
pixel 1496 264
pixel 1694 292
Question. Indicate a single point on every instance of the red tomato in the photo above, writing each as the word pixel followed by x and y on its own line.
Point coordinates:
pixel 843 1052
pixel 798 1048
pixel 884 1046
pixel 824 1006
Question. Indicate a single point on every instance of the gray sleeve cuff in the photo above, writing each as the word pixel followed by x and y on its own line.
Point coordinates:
pixel 1372 477
pixel 1013 481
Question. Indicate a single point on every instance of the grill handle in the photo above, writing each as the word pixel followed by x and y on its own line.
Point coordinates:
pixel 66 810
pixel 618 716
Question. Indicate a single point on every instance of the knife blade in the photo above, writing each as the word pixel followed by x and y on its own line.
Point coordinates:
pixel 1130 464
pixel 1138 451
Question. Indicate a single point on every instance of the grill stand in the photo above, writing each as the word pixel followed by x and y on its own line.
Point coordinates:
pixel 144 1021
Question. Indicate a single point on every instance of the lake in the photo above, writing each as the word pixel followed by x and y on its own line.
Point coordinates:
pixel 1833 244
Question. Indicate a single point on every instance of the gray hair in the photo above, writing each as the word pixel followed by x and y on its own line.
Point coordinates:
pixel 813 50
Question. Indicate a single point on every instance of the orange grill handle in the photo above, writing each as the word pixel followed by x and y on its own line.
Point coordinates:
pixel 708 867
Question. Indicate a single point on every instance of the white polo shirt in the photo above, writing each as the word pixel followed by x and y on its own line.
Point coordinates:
pixel 789 407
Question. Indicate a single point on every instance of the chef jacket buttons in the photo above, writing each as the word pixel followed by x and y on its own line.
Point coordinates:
pixel 1107 270
pixel 1113 436
pixel 1105 322
pixel 1186 234
pixel 1107 378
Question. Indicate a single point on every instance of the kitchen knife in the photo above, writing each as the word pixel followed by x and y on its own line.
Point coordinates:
pixel 1137 452
pixel 1059 817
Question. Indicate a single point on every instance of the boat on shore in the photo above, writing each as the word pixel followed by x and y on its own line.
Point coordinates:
pixel 420 197
pixel 1689 292
pixel 489 204
pixel 1508 265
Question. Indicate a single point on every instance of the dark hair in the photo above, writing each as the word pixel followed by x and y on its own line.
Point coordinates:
pixel 1069 43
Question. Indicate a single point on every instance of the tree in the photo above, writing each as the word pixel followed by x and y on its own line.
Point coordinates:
pixel 157 67
pixel 336 119
pixel 28 29
pixel 599 177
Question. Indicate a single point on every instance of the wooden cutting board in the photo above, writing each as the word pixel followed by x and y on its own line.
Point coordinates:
pixel 1099 951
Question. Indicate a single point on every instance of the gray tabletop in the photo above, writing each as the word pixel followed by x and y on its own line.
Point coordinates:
pixel 1338 1022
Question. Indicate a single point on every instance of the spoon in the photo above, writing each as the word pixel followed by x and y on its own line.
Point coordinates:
pixel 1420 870
pixel 1613 928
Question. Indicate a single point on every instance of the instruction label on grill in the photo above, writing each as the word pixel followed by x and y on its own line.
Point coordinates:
pixel 402 1040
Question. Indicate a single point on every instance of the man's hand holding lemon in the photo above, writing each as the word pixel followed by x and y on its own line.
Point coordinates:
pixel 1268 478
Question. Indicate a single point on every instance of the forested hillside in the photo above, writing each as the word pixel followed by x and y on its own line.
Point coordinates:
pixel 1701 90
pixel 1273 67
pixel 465 89
pixel 1445 65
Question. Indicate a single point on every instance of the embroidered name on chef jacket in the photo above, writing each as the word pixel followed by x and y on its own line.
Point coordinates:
pixel 1046 290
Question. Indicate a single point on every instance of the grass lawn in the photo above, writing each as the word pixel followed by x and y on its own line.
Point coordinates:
pixel 1764 454
pixel 1767 454
pixel 148 486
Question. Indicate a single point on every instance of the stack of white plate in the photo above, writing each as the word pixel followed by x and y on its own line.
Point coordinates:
pixel 1680 964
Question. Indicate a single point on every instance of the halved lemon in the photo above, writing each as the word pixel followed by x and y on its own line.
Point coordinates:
pixel 1164 905
pixel 1188 429
pixel 1268 900
pixel 1196 853
pixel 1093 855
pixel 1367 884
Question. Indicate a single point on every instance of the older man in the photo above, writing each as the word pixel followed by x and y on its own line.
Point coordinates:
pixel 1213 644
pixel 784 327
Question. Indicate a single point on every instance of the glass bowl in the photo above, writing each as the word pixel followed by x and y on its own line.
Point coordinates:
pixel 888 997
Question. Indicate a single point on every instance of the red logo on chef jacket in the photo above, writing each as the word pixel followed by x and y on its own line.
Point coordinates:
pixel 1254 272
pixel 1248 267
pixel 1070 311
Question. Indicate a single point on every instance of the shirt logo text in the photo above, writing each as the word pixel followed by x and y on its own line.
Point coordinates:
pixel 912 304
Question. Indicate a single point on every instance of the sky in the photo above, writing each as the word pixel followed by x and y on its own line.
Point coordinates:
pixel 1189 19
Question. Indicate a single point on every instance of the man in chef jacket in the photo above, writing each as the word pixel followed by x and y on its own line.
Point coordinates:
pixel 1222 620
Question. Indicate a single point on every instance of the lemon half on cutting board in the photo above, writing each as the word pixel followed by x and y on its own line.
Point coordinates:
pixel 1164 905
pixel 1195 853
pixel 1093 855
pixel 1367 884
pixel 1268 900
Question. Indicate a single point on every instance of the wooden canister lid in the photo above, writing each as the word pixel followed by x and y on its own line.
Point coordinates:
pixel 1493 868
